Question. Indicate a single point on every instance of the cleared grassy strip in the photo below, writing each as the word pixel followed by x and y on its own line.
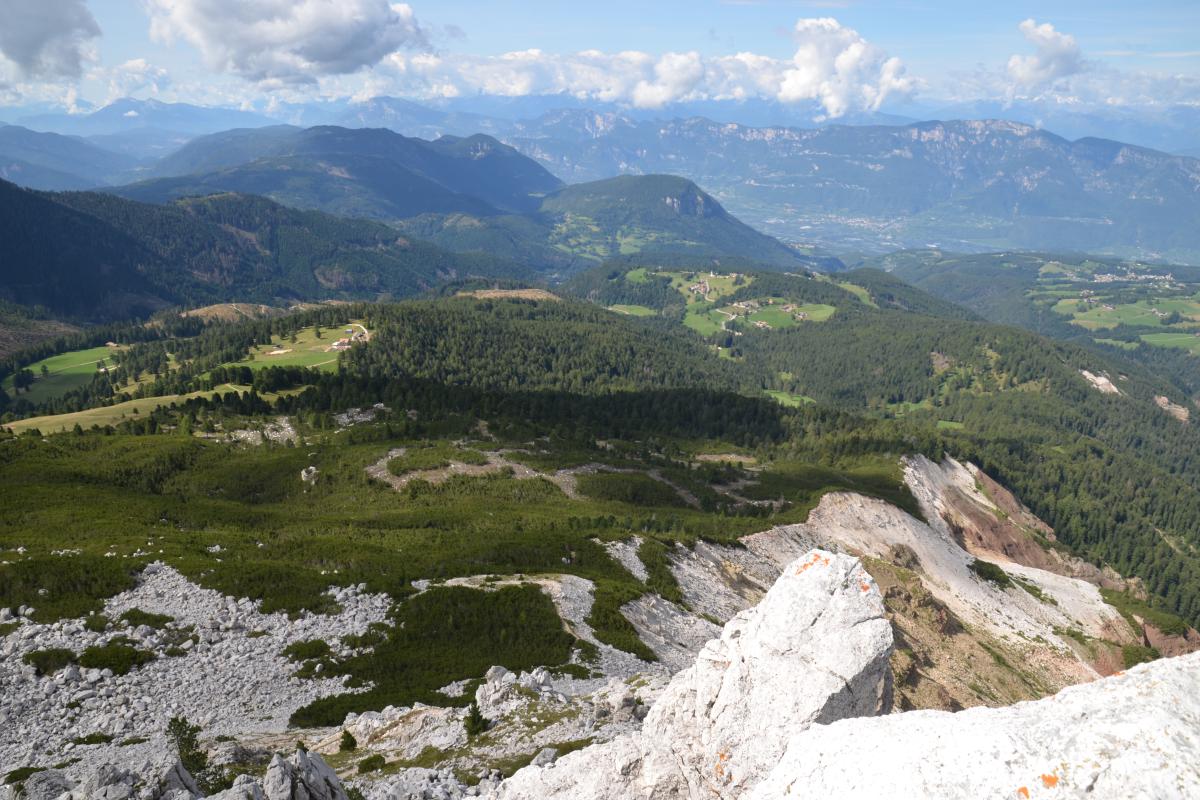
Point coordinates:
pixel 112 415
pixel 633 311
pixel 859 292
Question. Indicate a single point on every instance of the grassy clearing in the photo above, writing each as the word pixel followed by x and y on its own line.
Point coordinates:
pixel 1185 341
pixel 789 400
pixel 64 372
pixel 703 319
pixel 309 350
pixel 777 317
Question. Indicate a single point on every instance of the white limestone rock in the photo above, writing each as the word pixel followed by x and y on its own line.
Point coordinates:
pixel 304 776
pixel 1135 735
pixel 814 650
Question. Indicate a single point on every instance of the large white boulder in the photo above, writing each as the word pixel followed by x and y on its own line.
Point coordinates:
pixel 815 650
pixel 1135 735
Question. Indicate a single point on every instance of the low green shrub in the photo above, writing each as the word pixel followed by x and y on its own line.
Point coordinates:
pixel 93 738
pixel 634 488
pixel 610 625
pixel 991 573
pixel 372 763
pixel 117 656
pixel 309 649
pixel 1135 654
pixel 20 774
pixel 659 578
pixel 135 617
pixel 59 587
pixel 50 661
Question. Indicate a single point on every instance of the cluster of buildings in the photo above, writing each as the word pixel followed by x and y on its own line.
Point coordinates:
pixel 352 336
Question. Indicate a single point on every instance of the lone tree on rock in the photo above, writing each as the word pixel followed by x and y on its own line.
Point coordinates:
pixel 475 723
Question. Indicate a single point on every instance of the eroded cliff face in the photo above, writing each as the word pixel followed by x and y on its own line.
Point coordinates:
pixel 813 651
pixel 962 640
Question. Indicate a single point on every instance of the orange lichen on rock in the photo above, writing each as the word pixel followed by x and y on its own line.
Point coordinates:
pixel 817 558
pixel 1023 792
pixel 866 587
pixel 720 771
pixel 1050 781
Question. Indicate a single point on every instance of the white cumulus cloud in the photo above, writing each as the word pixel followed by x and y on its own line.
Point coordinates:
pixel 841 69
pixel 1056 56
pixel 133 76
pixel 287 41
pixel 47 39
pixel 833 66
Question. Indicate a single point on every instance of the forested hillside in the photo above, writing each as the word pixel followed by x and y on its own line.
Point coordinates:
pixel 98 257
pixel 653 216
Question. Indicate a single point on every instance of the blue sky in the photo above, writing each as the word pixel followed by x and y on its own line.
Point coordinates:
pixel 861 56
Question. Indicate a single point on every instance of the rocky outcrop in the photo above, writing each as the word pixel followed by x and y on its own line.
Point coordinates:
pixel 304 776
pixel 1131 735
pixel 813 651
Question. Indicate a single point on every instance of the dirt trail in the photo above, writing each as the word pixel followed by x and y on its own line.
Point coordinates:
pixel 564 479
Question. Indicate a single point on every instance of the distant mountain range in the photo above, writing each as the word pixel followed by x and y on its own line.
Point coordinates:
pixel 973 185
pixel 94 257
pixel 127 114
pixel 970 186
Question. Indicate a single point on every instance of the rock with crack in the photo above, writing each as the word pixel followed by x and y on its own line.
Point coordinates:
pixel 304 776
pixel 1132 735
pixel 815 650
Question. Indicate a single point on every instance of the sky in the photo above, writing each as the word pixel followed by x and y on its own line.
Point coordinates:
pixel 842 56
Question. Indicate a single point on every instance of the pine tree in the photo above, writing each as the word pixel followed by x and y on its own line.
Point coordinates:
pixel 475 722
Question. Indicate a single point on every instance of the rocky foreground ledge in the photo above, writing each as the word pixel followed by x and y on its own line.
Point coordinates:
pixel 786 703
